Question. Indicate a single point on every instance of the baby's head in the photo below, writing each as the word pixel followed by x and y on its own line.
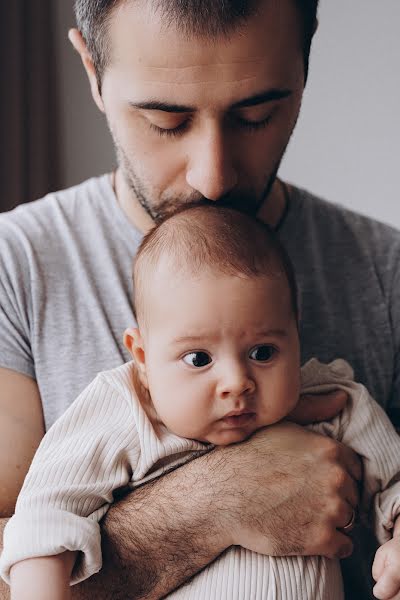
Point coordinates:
pixel 217 338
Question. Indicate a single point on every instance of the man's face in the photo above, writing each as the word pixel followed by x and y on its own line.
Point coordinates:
pixel 194 118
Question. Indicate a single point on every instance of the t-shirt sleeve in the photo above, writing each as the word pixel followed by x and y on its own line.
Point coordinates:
pixel 86 456
pixel 15 299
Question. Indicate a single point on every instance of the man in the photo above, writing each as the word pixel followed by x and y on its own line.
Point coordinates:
pixel 201 103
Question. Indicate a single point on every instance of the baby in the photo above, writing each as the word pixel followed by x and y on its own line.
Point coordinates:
pixel 215 358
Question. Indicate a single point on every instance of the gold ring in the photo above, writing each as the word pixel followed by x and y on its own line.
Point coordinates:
pixel 350 523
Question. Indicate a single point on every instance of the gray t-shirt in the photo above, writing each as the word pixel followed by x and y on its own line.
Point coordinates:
pixel 65 293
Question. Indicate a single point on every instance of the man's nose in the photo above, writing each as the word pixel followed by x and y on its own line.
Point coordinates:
pixel 236 381
pixel 210 169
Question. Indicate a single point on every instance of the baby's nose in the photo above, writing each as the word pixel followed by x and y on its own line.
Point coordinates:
pixel 237 381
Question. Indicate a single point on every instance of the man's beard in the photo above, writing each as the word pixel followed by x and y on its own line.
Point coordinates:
pixel 242 201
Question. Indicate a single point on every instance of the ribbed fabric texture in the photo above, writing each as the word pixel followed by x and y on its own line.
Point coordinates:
pixel 105 442
pixel 243 575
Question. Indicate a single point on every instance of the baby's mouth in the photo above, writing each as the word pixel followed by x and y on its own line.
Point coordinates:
pixel 238 418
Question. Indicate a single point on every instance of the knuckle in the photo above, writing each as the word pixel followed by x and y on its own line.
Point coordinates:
pixel 336 509
pixel 330 449
pixel 338 477
pixel 380 551
pixel 354 496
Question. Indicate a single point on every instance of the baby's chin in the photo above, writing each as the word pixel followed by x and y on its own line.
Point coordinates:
pixel 228 436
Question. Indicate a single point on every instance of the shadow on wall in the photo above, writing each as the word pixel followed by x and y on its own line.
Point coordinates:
pixel 29 165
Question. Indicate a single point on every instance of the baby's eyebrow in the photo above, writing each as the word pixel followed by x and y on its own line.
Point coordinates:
pixel 192 339
pixel 272 333
pixel 202 339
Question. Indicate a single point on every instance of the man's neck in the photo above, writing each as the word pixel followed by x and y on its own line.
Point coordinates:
pixel 133 210
pixel 274 205
pixel 271 210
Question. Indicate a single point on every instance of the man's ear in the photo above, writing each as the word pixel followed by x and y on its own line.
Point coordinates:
pixel 76 39
pixel 133 342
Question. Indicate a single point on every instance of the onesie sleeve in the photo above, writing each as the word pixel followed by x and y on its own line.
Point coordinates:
pixel 86 456
pixel 363 426
pixel 369 431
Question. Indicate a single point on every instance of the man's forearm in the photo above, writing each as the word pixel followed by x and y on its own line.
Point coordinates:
pixel 251 494
pixel 156 538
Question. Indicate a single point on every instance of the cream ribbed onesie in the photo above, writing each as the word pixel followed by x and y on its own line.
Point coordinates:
pixel 105 442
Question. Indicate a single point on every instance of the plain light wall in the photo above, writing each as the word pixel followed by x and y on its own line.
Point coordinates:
pixel 346 144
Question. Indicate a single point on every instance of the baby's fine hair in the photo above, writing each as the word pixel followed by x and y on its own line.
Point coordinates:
pixel 208 237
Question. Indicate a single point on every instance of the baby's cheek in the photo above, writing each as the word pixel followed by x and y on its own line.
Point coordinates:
pixel 189 421
pixel 286 396
pixel 182 400
pixel 173 408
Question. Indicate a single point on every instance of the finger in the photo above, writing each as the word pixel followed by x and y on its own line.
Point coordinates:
pixel 348 491
pixel 339 546
pixel 350 494
pixel 387 586
pixel 312 408
pixel 378 565
pixel 350 461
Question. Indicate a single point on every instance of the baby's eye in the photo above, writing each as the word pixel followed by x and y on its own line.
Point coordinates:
pixel 197 359
pixel 262 353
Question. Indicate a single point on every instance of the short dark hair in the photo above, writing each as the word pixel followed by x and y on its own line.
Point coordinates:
pixel 209 237
pixel 204 17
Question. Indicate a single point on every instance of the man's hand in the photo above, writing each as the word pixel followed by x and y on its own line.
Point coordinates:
pixel 313 408
pixel 284 491
pixel 288 491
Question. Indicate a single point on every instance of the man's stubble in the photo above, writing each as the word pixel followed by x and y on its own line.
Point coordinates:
pixel 158 208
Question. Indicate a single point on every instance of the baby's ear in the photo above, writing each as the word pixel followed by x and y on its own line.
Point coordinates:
pixel 133 342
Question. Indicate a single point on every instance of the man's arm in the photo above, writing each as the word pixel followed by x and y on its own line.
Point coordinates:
pixel 21 429
pixel 251 494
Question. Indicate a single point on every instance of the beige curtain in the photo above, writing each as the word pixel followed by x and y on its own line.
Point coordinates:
pixel 28 102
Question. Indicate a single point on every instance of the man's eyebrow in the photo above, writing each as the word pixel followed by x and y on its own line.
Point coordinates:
pixel 165 106
pixel 260 98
